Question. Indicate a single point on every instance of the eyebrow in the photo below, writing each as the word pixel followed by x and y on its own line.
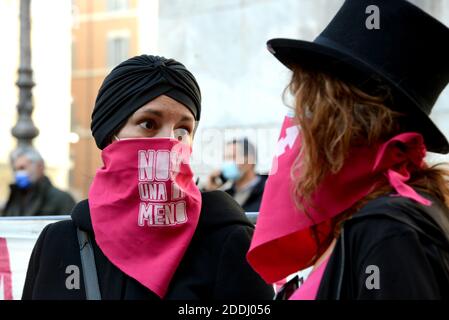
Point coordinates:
pixel 153 112
pixel 186 118
pixel 160 114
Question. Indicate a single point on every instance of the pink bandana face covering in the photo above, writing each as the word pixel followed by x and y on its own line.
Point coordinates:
pixel 282 243
pixel 145 207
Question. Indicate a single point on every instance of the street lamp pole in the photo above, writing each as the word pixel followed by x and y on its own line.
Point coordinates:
pixel 25 130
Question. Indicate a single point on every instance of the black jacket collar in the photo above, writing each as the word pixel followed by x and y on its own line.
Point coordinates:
pixel 430 221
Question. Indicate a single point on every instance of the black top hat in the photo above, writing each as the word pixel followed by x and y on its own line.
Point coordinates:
pixel 409 53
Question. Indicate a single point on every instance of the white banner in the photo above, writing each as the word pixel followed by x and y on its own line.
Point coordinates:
pixel 17 238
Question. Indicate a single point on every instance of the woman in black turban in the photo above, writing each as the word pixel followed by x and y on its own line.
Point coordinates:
pixel 134 83
pixel 144 97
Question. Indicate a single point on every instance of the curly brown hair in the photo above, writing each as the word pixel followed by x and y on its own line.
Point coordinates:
pixel 334 116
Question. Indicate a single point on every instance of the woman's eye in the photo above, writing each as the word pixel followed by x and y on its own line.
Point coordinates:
pixel 149 125
pixel 181 134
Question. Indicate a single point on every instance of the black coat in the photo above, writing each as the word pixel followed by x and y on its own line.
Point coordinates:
pixel 214 266
pixel 406 241
pixel 252 204
pixel 40 199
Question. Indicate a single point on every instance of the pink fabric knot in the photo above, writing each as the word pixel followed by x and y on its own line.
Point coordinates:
pixel 397 157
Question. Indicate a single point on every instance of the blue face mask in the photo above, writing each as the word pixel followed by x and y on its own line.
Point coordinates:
pixel 231 171
pixel 22 179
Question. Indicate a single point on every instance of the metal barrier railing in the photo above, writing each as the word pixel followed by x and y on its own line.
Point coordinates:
pixel 21 218
pixel 252 216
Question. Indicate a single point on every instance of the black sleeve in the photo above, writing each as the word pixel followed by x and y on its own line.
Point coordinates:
pixel 33 266
pixel 235 277
pixel 402 268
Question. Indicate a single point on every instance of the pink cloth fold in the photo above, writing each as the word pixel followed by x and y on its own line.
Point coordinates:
pixel 390 152
pixel 309 289
pixel 5 271
pixel 282 243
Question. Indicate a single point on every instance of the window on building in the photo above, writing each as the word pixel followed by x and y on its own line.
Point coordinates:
pixel 118 50
pixel 117 5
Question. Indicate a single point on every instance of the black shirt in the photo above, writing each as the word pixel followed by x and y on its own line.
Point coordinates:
pixel 402 243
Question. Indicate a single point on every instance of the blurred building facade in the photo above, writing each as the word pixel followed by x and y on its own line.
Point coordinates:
pixel 104 33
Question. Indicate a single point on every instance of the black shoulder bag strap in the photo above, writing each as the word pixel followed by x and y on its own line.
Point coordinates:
pixel 88 264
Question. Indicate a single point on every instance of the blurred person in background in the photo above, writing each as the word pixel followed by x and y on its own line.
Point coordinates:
pixel 152 233
pixel 238 177
pixel 32 193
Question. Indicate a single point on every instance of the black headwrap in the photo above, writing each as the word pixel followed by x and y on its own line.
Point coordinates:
pixel 134 83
